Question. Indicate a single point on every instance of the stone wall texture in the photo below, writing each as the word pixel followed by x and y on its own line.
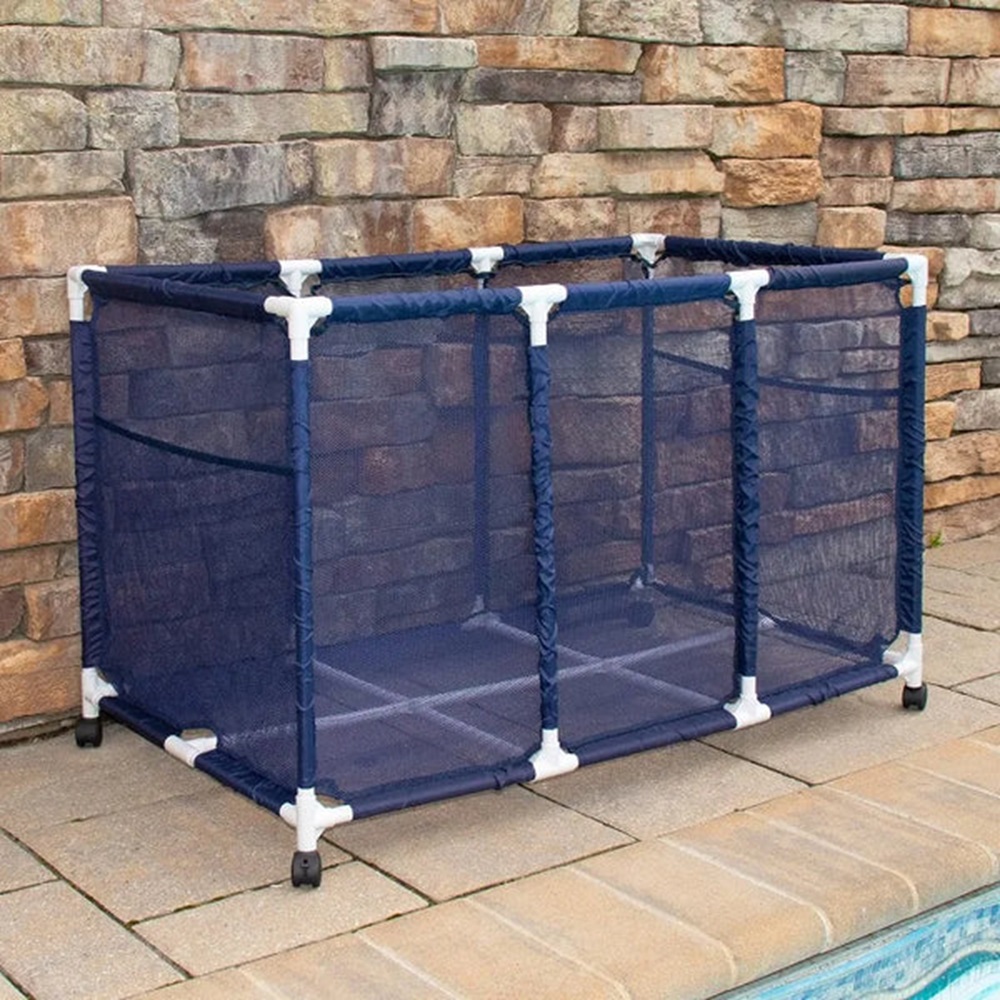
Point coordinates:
pixel 189 130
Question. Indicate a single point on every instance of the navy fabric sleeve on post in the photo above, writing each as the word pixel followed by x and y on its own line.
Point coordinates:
pixel 910 483
pixel 746 495
pixel 539 388
pixel 481 474
pixel 648 449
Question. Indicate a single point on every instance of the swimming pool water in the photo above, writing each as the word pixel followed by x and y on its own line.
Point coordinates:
pixel 952 953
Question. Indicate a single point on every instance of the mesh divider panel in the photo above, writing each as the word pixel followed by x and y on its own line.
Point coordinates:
pixel 630 657
pixel 829 361
pixel 413 677
pixel 195 534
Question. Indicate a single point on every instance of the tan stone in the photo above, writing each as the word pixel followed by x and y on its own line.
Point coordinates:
pixel 33 120
pixel 346 64
pixel 954 376
pixel 11 362
pixel 856 157
pixel 59 174
pixel 38 678
pixel 956 491
pixel 951 32
pixel 231 62
pixel 863 121
pixel 32 306
pixel 572 175
pixel 478 175
pixel 948 326
pixel 28 565
pixel 771 182
pixel 644 127
pixel 939 418
pixel 52 609
pixel 975 119
pixel 566 218
pixel 947 194
pixel 679 216
pixel 766 132
pixel 357 228
pixel 446 223
pixel 969 520
pixel 99 230
pixel 724 74
pixel 22 404
pixel 873 80
pixel 856 191
pixel 860 227
pixel 60 403
pixel 361 168
pixel 514 17
pixel 37 518
pixel 52 12
pixel 503 129
pixel 973 453
pixel 975 81
pixel 574 129
pixel 927 121
pixel 599 55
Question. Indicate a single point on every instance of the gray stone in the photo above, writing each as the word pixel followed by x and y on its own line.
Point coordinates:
pixel 53 174
pixel 967 155
pixel 817 77
pixel 741 22
pixel 991 371
pixel 971 279
pixel 47 355
pixel 984 323
pixel 985 233
pixel 503 129
pixel 64 12
pixel 551 87
pixel 643 20
pixel 978 410
pixel 825 26
pixel 234 235
pixel 36 120
pixel 11 464
pixel 414 103
pixel 49 459
pixel 407 53
pixel 177 183
pixel 132 119
pixel 792 224
pixel 918 229
pixel 969 349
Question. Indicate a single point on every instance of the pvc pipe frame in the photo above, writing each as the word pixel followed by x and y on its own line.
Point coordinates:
pixel 909 662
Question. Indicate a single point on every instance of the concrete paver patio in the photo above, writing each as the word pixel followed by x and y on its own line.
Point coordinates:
pixel 677 873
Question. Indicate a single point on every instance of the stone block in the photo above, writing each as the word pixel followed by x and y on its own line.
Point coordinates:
pixel 741 22
pixel 503 129
pixel 712 74
pixel 817 77
pixel 404 52
pixel 41 175
pixel 860 227
pixel 968 520
pixel 49 461
pixel 856 157
pixel 133 119
pixel 975 81
pixel 927 121
pixel 947 325
pixel 574 129
pixel 541 17
pixel 966 195
pixel 100 229
pixel 28 519
pixel 991 371
pixel 985 232
pixel 783 224
pixel 248 63
pixel 12 360
pixel 954 33
pixel 572 175
pixel 902 80
pixel 357 228
pixel 80 12
pixel 765 132
pixel 39 678
pixel 971 454
pixel 977 411
pixel 971 279
pixel 52 609
pixel 952 492
pixel 23 403
pixel 347 168
pixel 984 323
pixel 11 611
pixel 11 468
pixel 829 26
pixel 32 306
pixel 598 55
pixel 389 469
pixel 750 183
pixel 346 64
pixel 966 155
pixel 972 348
pixel 857 191
pixel 47 356
pixel 681 216
pixel 973 119
pixel 550 87
pixel 234 235
pixel 565 218
pixel 644 20
pixel 176 183
pixel 863 121
pixel 36 120
pixel 96 57
pixel 939 419
pixel 415 103
pixel 445 223
pixel 947 229
pixel 482 175
pixel 260 118
pixel 646 127
pixel 60 402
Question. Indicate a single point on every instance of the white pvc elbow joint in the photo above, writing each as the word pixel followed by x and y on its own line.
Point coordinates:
pixel 77 290
pixel 918 271
pixel 536 303
pixel 745 285
pixel 295 273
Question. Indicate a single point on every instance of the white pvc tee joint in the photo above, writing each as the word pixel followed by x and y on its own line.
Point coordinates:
pixel 536 303
pixel 301 316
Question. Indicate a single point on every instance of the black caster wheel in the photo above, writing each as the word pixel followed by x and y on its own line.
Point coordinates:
pixel 89 732
pixel 640 614
pixel 915 698
pixel 307 869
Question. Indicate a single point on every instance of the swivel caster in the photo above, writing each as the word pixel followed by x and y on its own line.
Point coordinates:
pixel 640 614
pixel 307 868
pixel 915 698
pixel 89 732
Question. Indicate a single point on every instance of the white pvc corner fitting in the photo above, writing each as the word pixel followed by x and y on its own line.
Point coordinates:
pixel 93 687
pixel 745 285
pixel 295 273
pixel 190 750
pixel 909 662
pixel 310 817
pixel 550 759
pixel 648 247
pixel 747 708
pixel 918 271
pixel 300 315
pixel 77 290
pixel 485 259
pixel 536 303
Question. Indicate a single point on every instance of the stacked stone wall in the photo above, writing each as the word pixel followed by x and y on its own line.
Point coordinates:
pixel 188 130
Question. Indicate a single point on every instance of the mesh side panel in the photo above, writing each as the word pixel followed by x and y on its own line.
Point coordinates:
pixel 410 683
pixel 338 288
pixel 628 656
pixel 828 440
pixel 195 549
pixel 567 272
